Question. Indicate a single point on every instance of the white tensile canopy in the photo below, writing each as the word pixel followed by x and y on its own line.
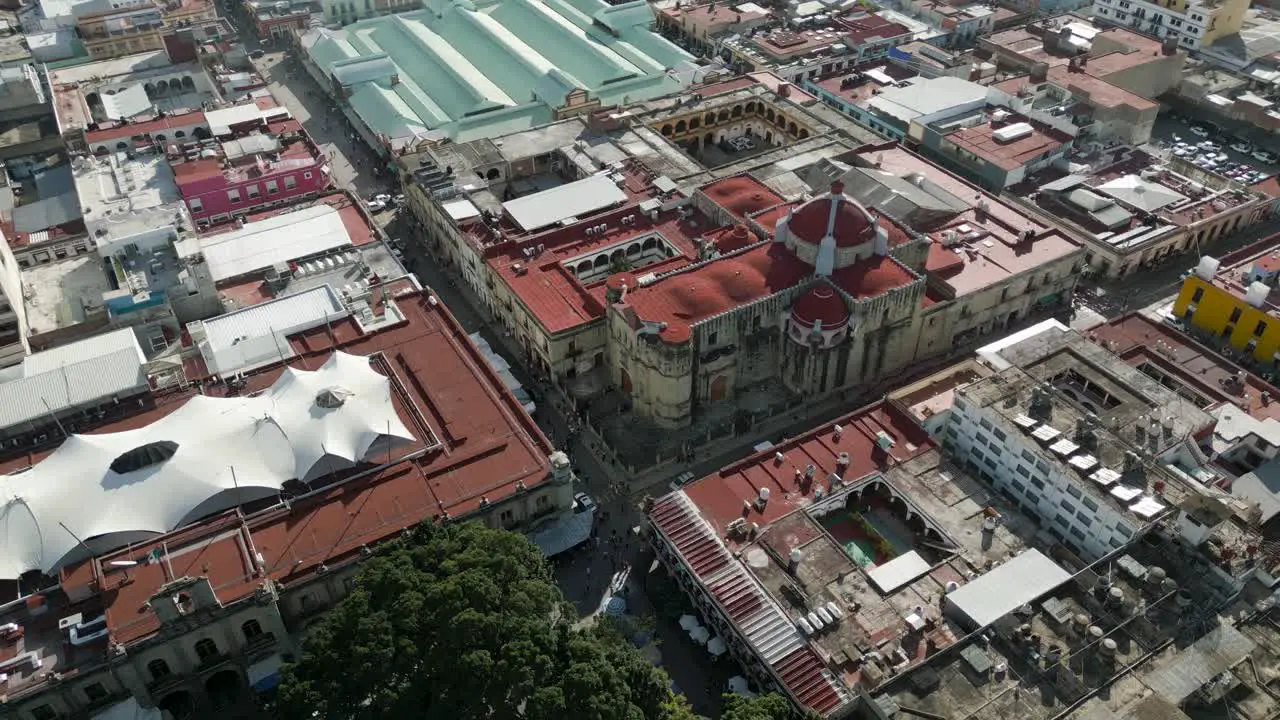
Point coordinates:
pixel 348 408
pixel 107 490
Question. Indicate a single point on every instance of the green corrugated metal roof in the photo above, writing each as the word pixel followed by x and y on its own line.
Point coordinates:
pixel 502 63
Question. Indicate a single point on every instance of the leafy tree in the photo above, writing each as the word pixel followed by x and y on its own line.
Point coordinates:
pixel 765 707
pixel 463 622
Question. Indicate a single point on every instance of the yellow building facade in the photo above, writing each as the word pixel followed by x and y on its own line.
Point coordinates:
pixel 1227 313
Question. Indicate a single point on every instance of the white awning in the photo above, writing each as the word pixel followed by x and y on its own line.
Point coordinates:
pixel 265 674
pixel 129 710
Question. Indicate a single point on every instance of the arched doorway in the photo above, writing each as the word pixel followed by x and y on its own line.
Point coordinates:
pixel 626 381
pixel 180 705
pixel 719 388
pixel 225 690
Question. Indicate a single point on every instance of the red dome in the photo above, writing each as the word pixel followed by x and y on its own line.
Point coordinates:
pixel 820 303
pixel 853 225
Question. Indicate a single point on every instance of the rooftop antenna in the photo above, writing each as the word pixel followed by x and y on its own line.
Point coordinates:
pixel 54 417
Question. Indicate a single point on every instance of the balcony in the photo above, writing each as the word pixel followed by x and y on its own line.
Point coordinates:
pixel 156 687
pixel 258 643
pixel 210 662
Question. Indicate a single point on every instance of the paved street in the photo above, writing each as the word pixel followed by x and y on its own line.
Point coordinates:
pixel 1153 286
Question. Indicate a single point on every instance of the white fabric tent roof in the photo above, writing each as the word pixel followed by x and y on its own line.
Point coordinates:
pixel 346 432
pixel 183 463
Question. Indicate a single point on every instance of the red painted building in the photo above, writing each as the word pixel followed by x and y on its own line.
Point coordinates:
pixel 249 174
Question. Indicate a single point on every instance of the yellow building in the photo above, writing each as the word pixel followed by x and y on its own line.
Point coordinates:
pixel 1191 25
pixel 1237 304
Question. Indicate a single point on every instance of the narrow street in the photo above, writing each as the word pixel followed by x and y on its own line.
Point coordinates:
pixel 1152 286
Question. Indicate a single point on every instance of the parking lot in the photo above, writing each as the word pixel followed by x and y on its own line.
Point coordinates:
pixel 1213 148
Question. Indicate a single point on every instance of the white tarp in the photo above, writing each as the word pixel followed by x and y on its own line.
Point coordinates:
pixel 129 102
pixel 570 200
pixel 898 571
pixel 1141 194
pixel 211 454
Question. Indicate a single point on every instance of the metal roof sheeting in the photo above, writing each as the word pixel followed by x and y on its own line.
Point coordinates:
pixel 76 374
pixel 570 200
pixel 760 619
pixel 1178 677
pixel 258 335
pixel 263 243
pixel 1007 587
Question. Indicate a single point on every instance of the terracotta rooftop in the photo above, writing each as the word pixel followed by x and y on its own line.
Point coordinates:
pixel 150 127
pixel 848 222
pixel 440 382
pixel 1099 92
pixel 552 292
pixel 703 17
pixel 685 298
pixel 293 154
pixel 980 140
pixel 865 87
pixel 696 519
pixel 741 195
pixel 870 28
pixel 992 242
pixel 1150 345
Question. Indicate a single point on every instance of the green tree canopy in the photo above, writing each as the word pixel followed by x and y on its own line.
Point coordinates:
pixel 765 707
pixel 463 622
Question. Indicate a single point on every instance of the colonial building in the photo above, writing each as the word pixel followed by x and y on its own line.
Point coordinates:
pixel 188 606
pixel 821 305
pixel 805 261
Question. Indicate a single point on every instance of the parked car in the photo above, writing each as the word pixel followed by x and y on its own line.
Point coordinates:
pixel 377 206
pixel 257 54
pixel 1242 146
pixel 681 480
pixel 1265 156
pixel 1200 129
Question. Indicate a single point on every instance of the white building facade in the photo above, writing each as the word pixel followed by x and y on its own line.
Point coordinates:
pixel 1046 488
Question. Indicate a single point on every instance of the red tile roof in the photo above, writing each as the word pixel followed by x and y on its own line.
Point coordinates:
pixel 981 141
pixel 872 277
pixel 719 497
pixel 695 520
pixel 490 446
pixel 741 195
pixel 685 298
pixel 193 171
pixel 1137 340
pixel 553 294
pixel 149 127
